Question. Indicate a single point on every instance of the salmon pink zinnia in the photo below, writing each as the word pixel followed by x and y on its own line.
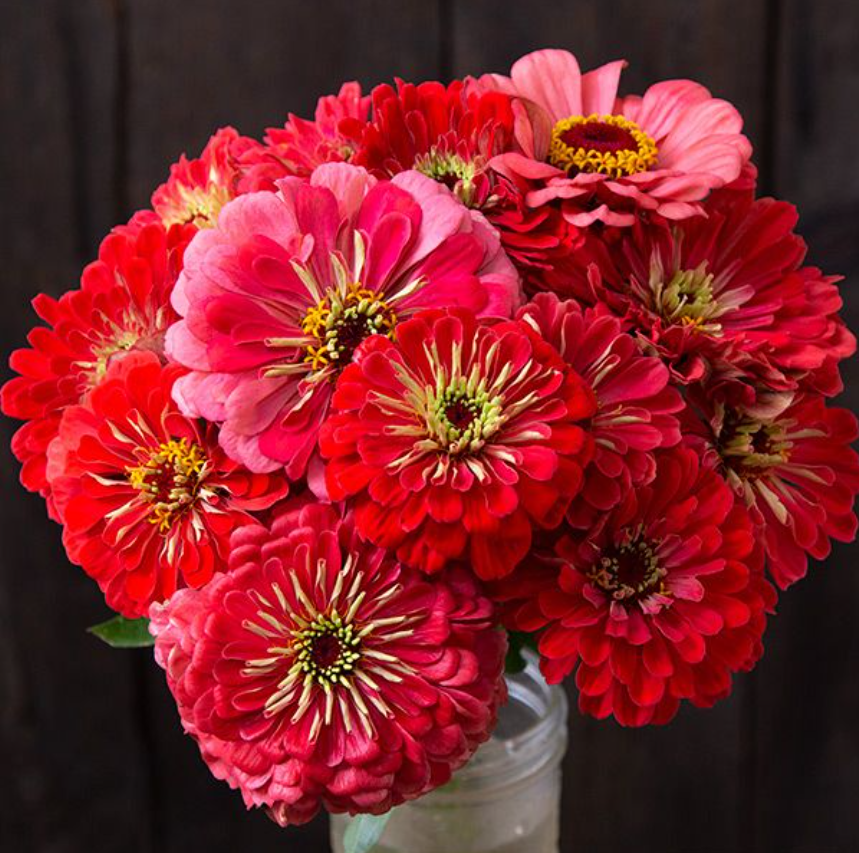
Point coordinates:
pixel 605 158
pixel 277 297
pixel 319 671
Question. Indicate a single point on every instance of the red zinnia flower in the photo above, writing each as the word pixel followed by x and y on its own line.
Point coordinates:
pixel 123 305
pixel 301 145
pixel 724 295
pixel 662 600
pixel 451 137
pixel 635 403
pixel 147 497
pixel 197 189
pixel 792 464
pixel 457 439
pixel 321 671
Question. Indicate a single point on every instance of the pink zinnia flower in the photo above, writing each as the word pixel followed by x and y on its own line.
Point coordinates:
pixel 661 600
pixel 147 497
pixel 123 305
pixel 457 440
pixel 792 464
pixel 603 157
pixel 724 295
pixel 276 298
pixel 635 405
pixel 319 671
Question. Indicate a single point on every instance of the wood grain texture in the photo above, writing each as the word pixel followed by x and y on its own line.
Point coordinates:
pixel 74 771
pixel 807 715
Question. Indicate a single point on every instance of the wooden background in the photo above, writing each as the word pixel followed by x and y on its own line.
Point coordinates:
pixel 97 97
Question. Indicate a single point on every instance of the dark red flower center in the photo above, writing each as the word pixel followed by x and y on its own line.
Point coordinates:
pixel 328 650
pixel 606 144
pixel 460 414
pixel 325 651
pixel 629 570
pixel 599 136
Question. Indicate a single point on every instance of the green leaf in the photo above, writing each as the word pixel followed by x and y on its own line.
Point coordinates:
pixel 517 642
pixel 122 633
pixel 363 832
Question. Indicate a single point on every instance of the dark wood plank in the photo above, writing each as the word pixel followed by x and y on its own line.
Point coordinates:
pixel 676 788
pixel 191 68
pixel 206 63
pixel 808 695
pixel 74 775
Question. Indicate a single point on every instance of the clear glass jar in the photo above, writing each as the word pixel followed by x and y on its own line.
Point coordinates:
pixel 506 799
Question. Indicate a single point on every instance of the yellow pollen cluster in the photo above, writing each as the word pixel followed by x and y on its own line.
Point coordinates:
pixel 169 480
pixel 615 159
pixel 339 323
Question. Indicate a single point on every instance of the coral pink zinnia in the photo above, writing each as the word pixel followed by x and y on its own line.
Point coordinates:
pixel 603 157
pixel 457 439
pixel 319 671
pixel 276 298
pixel 122 305
pixel 147 497
pixel 724 295
pixel 793 465
pixel 636 406
pixel 662 600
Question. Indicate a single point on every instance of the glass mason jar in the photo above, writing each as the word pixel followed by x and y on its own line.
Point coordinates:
pixel 506 799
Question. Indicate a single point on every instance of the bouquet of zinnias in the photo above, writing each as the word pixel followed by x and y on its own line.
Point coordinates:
pixel 348 405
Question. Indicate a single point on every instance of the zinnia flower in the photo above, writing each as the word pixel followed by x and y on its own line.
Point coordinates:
pixel 436 130
pixel 635 405
pixel 319 671
pixel 663 599
pixel 456 440
pixel 122 305
pixel 197 189
pixel 792 464
pixel 451 136
pixel 724 295
pixel 301 145
pixel 277 297
pixel 147 497
pixel 604 157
